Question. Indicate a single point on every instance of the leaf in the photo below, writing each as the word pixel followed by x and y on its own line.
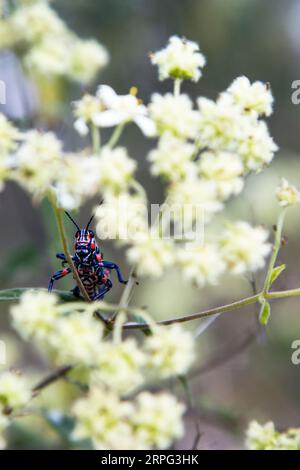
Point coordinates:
pixel 265 313
pixel 276 273
pixel 13 295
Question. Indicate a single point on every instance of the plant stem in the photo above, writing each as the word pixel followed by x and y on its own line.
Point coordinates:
pixel 62 233
pixel 177 86
pixel 52 377
pixel 275 250
pixel 116 135
pixel 282 294
pixel 198 315
pixel 96 139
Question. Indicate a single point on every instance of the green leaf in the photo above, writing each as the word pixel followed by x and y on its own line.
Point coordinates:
pixel 276 273
pixel 13 295
pixel 265 313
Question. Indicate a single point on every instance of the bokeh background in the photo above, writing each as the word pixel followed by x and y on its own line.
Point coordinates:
pixel 243 373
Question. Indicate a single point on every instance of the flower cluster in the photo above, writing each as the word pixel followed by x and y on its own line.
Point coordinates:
pixel 180 59
pixel 286 194
pixel 47 46
pixel 203 154
pixel 69 334
pixel 14 395
pixel 266 437
pixel 140 424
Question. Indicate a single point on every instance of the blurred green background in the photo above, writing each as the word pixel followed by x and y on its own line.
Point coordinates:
pixel 257 38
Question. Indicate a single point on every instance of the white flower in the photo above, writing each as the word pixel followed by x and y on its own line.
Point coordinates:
pixel 9 136
pixel 117 170
pixel 14 391
pixel 255 97
pixel 84 111
pixel 158 420
pixel 78 180
pixel 179 59
pixel 289 440
pixel 86 59
pixel 172 159
pixel 50 57
pixel 121 217
pixel 170 350
pixel 257 147
pixel 120 366
pixel 38 161
pixel 151 254
pixel 42 20
pixel 265 437
pixel 201 264
pixel 244 247
pixel 174 114
pixel 193 198
pixel 287 194
pixel 121 109
pixel 225 169
pixel 261 437
pixel 76 339
pixel 220 124
pixel 35 315
pixel 105 419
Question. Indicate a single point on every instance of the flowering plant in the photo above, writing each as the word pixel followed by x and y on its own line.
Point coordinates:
pixel 203 154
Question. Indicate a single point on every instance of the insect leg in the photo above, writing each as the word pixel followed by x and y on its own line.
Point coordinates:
pixel 104 289
pixel 110 265
pixel 76 292
pixel 61 256
pixel 58 275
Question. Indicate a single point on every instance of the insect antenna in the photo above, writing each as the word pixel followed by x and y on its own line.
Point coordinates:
pixel 89 222
pixel 72 220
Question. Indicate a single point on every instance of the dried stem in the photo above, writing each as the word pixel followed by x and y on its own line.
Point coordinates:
pixel 61 229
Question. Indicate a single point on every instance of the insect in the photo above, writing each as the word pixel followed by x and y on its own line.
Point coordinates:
pixel 93 270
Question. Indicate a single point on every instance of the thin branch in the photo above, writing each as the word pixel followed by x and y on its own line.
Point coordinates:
pixel 195 316
pixel 275 250
pixel 61 229
pixel 52 377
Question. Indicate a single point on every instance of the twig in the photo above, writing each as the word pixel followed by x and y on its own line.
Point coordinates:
pixel 53 377
pixel 275 250
pixel 61 230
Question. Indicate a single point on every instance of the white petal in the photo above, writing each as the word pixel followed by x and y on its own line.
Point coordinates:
pixel 81 127
pixel 146 125
pixel 107 118
pixel 107 95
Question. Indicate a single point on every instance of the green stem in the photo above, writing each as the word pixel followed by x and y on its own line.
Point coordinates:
pixel 275 250
pixel 96 139
pixel 198 315
pixel 61 229
pixel 282 294
pixel 177 86
pixel 116 135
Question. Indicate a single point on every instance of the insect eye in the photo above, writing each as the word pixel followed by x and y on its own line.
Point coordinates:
pixel 91 233
pixel 77 234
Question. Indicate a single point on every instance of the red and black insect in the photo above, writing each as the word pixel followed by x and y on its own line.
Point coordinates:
pixel 93 271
